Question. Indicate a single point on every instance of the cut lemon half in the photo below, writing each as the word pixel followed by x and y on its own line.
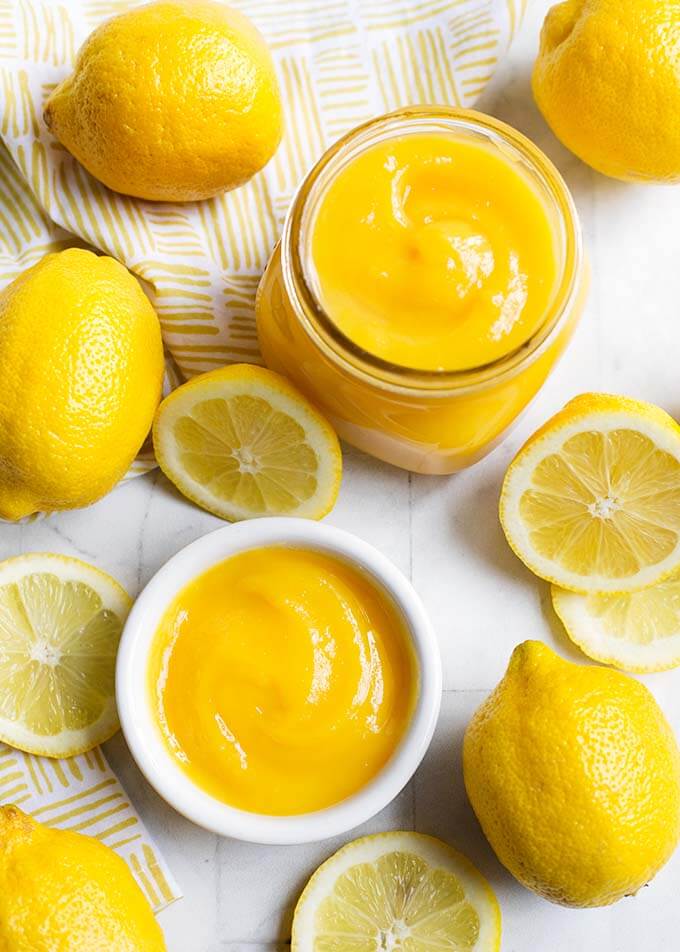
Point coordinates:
pixel 592 501
pixel 634 631
pixel 60 623
pixel 397 891
pixel 242 442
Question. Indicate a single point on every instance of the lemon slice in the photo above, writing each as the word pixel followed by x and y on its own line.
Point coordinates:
pixel 592 501
pixel 635 631
pixel 242 442
pixel 60 623
pixel 397 891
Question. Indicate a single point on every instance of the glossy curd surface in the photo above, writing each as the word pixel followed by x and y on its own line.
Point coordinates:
pixel 430 275
pixel 282 680
pixel 433 252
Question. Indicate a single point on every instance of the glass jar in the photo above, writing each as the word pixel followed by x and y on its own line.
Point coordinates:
pixel 425 421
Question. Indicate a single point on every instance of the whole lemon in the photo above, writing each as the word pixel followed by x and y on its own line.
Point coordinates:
pixel 607 80
pixel 174 101
pixel 81 363
pixel 64 892
pixel 574 775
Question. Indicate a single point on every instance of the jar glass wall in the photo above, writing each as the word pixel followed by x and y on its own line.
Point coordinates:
pixel 436 421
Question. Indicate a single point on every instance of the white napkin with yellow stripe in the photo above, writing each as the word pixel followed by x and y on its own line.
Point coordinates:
pixel 339 63
pixel 81 794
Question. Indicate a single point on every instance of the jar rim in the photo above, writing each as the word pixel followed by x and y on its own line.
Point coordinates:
pixel 339 347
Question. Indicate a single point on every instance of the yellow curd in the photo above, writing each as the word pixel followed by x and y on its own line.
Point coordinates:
pixel 282 680
pixel 429 276
pixel 433 252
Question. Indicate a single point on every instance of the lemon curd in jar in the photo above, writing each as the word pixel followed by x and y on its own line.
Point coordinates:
pixel 282 680
pixel 429 276
pixel 436 268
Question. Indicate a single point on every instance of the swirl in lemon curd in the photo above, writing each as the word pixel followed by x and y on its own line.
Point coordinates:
pixel 433 252
pixel 282 680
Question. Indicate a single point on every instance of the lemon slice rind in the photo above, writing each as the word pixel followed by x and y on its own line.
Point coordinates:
pixel 115 600
pixel 439 857
pixel 587 414
pixel 620 629
pixel 239 381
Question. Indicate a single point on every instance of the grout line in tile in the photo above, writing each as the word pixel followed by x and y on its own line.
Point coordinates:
pixel 150 500
pixel 217 860
pixel 250 943
pixel 467 690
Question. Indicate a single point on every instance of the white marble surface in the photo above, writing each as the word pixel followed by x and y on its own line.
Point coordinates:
pixel 444 533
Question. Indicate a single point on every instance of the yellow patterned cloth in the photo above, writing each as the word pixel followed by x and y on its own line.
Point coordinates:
pixel 339 62
pixel 82 794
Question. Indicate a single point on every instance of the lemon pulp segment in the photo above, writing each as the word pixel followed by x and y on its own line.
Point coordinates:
pixel 242 442
pixel 60 623
pixel 599 506
pixel 592 501
pixel 397 891
pixel 635 631
pixel 249 453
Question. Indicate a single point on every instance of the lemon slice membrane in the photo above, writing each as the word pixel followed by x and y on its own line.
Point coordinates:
pixel 635 631
pixel 395 891
pixel 60 624
pixel 592 501
pixel 241 442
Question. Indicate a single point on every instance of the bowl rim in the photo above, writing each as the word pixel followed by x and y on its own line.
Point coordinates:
pixel 140 728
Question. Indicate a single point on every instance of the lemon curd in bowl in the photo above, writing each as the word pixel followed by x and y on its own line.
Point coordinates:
pixel 282 680
pixel 429 275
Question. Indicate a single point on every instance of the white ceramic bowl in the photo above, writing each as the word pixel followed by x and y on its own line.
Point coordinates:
pixel 140 726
